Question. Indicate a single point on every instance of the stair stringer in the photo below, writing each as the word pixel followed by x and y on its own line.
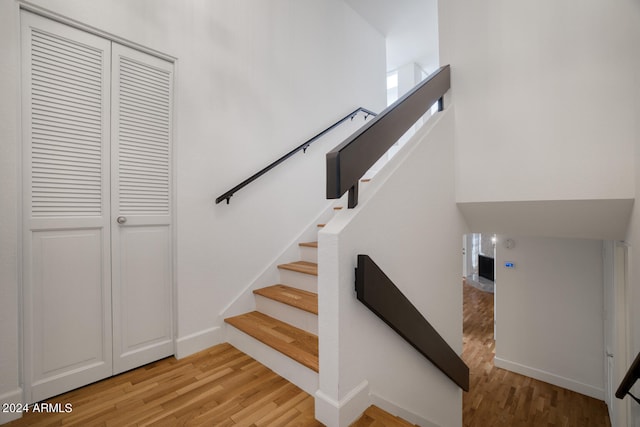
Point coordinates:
pixel 244 300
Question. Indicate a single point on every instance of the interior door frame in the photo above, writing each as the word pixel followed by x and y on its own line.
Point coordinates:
pixel 622 338
pixel 24 6
pixel 617 336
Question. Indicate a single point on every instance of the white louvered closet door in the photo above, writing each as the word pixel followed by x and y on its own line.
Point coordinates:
pixel 97 206
pixel 141 208
pixel 67 265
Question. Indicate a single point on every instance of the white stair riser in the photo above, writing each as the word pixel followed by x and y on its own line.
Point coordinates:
pixel 288 314
pixel 306 282
pixel 309 254
pixel 282 365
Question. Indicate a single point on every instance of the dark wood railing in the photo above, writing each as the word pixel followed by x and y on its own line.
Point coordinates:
pixel 376 291
pixel 629 380
pixel 349 161
pixel 302 147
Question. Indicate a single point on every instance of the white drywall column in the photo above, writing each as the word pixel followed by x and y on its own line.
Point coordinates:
pixel 411 228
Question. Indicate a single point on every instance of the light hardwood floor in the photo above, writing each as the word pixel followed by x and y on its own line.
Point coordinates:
pixel 376 417
pixel 220 386
pixel 501 398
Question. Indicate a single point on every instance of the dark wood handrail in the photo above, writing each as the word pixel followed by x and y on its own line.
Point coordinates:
pixel 629 380
pixel 350 160
pixel 376 291
pixel 302 147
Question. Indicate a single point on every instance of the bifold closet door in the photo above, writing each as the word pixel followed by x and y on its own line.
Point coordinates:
pixel 141 210
pixel 66 199
pixel 97 208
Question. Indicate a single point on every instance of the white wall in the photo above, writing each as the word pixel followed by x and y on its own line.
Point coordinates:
pixel 399 211
pixel 550 311
pixel 9 154
pixel 253 80
pixel 546 93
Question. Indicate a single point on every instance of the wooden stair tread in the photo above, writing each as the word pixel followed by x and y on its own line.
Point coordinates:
pixel 301 267
pixel 309 244
pixel 295 343
pixel 304 300
pixel 375 416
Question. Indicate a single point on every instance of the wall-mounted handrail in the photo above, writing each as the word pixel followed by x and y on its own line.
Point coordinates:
pixel 629 380
pixel 302 147
pixel 376 291
pixel 350 160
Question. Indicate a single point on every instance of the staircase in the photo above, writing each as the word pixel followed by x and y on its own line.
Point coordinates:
pixel 282 333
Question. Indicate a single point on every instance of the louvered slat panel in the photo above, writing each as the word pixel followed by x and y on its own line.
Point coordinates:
pixel 66 94
pixel 144 135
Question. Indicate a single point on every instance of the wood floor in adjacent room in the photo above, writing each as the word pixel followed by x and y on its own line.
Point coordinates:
pixel 501 398
pixel 217 387
pixel 222 386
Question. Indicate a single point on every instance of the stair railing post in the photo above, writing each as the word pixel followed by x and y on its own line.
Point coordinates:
pixel 353 196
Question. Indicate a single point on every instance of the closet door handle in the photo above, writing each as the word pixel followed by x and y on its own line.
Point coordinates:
pixel 121 219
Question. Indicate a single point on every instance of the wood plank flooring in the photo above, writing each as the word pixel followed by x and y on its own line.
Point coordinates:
pixel 376 417
pixel 222 386
pixel 501 398
pixel 219 387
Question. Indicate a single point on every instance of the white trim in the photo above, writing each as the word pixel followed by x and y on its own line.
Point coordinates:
pixel 46 13
pixel 14 396
pixel 342 413
pixel 19 148
pixel 560 381
pixel 198 341
pixel 174 207
pixel 396 410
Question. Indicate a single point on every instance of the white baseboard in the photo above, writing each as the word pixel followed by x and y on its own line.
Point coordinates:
pixel 14 396
pixel 337 414
pixel 396 410
pixel 548 377
pixel 193 343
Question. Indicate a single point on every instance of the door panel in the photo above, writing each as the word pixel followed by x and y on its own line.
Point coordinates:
pixel 144 295
pixel 141 240
pixel 67 276
pixel 73 341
